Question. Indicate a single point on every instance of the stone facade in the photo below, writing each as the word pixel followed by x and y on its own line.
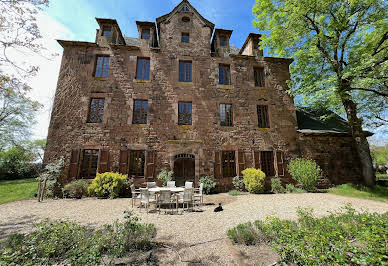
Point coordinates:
pixel 162 139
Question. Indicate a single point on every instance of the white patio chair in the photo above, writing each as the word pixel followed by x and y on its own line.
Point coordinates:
pixel 171 184
pixel 151 184
pixel 188 184
pixel 198 194
pixel 187 198
pixel 135 194
pixel 146 198
pixel 164 198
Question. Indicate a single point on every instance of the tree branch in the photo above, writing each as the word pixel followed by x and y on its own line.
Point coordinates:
pixel 370 90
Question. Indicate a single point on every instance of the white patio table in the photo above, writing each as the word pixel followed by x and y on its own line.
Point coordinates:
pixel 174 190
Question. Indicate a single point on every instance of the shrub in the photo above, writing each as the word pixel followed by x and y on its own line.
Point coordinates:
pixel 346 237
pixel 67 243
pixel 290 188
pixel 238 183
pixel 234 193
pixel 51 174
pixel 276 186
pixel 254 180
pixel 107 185
pixel 208 184
pixel 76 189
pixel 305 172
pixel 165 176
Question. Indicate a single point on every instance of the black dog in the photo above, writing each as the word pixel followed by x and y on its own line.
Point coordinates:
pixel 219 208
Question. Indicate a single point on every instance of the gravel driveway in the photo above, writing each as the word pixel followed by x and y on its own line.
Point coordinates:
pixel 194 237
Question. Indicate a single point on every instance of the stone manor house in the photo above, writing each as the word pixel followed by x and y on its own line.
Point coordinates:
pixel 180 97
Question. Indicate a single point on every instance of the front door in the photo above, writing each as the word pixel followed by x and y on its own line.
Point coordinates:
pixel 184 170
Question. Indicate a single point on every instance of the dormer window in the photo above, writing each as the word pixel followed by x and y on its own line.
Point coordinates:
pixel 107 31
pixel 223 41
pixel 185 37
pixel 256 45
pixel 145 34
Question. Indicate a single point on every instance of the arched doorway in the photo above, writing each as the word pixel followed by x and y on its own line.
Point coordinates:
pixel 184 168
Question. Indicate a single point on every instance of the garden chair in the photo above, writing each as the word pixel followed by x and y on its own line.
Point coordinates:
pixel 188 184
pixel 171 184
pixel 164 198
pixel 187 198
pixel 146 198
pixel 151 184
pixel 135 194
pixel 198 194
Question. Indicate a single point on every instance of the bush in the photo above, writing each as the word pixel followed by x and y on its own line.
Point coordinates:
pixel 165 176
pixel 276 186
pixel 52 174
pixel 208 184
pixel 290 188
pixel 67 243
pixel 305 172
pixel 238 183
pixel 234 193
pixel 76 189
pixel 254 180
pixel 107 185
pixel 346 237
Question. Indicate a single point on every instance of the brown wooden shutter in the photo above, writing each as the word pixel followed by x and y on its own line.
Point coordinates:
pixel 74 164
pixel 257 159
pixel 272 160
pixel 123 162
pixel 103 165
pixel 280 163
pixel 241 162
pixel 217 165
pixel 150 170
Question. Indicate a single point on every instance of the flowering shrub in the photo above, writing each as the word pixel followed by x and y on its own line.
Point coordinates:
pixel 208 184
pixel 238 183
pixel 76 189
pixel 305 172
pixel 107 185
pixel 254 180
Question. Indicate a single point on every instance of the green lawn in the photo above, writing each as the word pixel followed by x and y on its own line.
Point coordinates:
pixel 13 190
pixel 379 193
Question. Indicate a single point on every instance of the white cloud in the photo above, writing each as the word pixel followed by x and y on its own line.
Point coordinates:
pixel 45 82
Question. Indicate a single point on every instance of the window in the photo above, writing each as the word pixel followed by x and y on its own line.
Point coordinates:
pixel 226 115
pixel 145 34
pixel 96 110
pixel 223 41
pixel 185 37
pixel 185 71
pixel 136 163
pixel 102 67
pixel 185 9
pixel 267 163
pixel 89 164
pixel 256 45
pixel 262 115
pixel 228 164
pixel 107 31
pixel 259 77
pixel 186 19
pixel 184 113
pixel 224 74
pixel 143 69
pixel 140 110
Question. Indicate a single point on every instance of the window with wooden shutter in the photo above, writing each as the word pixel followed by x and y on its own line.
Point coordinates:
pixel 262 116
pixel 228 160
pixel 241 162
pixel 136 163
pixel 143 69
pixel 103 166
pixel 89 164
pixel 217 165
pixel 280 163
pixel 267 163
pixel 257 160
pixel 123 163
pixel 102 67
pixel 74 164
pixel 151 156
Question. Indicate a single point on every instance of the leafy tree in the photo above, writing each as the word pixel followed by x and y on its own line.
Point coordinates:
pixel 341 56
pixel 380 155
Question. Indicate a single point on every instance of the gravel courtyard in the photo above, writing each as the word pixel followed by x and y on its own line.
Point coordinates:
pixel 191 238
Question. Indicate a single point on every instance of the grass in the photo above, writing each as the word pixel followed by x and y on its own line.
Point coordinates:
pixel 13 190
pixel 378 193
pixel 234 193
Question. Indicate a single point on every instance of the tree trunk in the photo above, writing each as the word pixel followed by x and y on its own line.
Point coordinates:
pixel 359 138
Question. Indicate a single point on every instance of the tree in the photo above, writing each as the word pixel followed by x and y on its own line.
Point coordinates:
pixel 341 54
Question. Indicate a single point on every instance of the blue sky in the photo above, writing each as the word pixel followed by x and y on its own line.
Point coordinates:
pixel 79 15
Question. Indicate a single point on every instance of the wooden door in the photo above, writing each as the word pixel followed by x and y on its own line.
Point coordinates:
pixel 184 170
